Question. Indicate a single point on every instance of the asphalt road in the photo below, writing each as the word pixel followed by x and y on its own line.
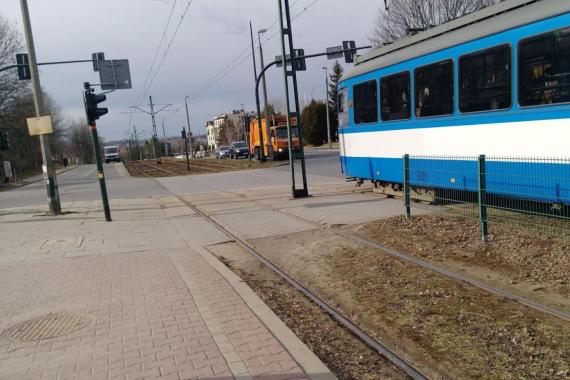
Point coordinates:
pixel 80 184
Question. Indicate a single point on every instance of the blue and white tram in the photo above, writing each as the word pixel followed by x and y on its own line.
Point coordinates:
pixel 496 82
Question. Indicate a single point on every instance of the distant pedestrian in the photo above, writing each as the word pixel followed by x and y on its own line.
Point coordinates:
pixel 65 162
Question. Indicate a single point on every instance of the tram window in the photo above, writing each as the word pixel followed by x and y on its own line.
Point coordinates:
pixel 544 69
pixel 343 107
pixel 395 97
pixel 434 89
pixel 485 80
pixel 365 103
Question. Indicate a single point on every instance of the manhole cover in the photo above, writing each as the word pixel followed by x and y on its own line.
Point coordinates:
pixel 50 326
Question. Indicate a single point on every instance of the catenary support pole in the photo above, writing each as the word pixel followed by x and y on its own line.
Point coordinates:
pixel 259 123
pixel 266 103
pixel 48 168
pixel 327 104
pixel 154 133
pixel 188 122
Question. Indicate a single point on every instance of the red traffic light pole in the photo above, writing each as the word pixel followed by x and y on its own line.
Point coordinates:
pixel 93 113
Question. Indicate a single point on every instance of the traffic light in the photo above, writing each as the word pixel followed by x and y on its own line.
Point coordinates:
pixel 184 133
pixel 91 102
pixel 24 72
pixel 300 64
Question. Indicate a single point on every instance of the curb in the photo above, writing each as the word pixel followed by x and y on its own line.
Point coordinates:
pixel 308 361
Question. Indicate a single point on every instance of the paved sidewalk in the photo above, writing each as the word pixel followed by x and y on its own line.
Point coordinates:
pixel 133 299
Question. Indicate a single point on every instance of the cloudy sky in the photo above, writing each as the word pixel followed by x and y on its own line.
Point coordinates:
pixel 208 59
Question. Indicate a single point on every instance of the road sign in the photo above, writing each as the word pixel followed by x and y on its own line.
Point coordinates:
pixel 24 72
pixel 40 125
pixel 115 74
pixel 335 52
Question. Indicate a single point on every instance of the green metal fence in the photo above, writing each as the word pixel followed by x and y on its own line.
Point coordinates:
pixel 521 191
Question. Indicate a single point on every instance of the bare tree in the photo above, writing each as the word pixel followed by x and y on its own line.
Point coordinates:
pixel 12 90
pixel 403 17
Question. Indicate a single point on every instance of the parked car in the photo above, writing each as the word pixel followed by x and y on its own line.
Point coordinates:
pixel 201 154
pixel 223 152
pixel 180 156
pixel 239 149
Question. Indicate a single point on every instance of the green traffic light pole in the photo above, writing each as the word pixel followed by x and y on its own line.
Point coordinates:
pixel 97 148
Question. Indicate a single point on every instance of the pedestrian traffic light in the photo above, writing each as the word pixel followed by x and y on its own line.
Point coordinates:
pixel 91 102
pixel 24 72
pixel 349 48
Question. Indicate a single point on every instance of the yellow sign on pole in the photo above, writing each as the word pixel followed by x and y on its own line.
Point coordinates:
pixel 40 125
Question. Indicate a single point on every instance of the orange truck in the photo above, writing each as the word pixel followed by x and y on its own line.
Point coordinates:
pixel 279 139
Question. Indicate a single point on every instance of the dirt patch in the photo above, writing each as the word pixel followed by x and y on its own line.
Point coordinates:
pixel 450 329
pixel 175 167
pixel 345 355
pixel 531 262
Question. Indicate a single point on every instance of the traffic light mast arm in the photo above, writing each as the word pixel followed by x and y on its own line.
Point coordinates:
pixel 260 76
pixel 47 63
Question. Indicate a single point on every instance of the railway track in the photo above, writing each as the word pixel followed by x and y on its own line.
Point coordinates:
pixel 372 342
pixel 170 168
pixel 427 265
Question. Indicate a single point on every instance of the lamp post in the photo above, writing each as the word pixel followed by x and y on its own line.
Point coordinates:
pixel 264 83
pixel 188 121
pixel 260 131
pixel 327 103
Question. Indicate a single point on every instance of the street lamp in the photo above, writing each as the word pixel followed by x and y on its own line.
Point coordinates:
pixel 327 103
pixel 269 143
pixel 188 121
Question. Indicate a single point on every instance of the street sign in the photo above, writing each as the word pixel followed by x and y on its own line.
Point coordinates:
pixel 334 52
pixel 115 74
pixel 351 53
pixel 96 58
pixel 40 125
pixel 24 72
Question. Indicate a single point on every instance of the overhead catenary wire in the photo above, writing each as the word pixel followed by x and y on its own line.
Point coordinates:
pixel 166 51
pixel 140 94
pixel 243 56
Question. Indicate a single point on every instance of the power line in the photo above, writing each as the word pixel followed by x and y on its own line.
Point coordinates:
pixel 140 96
pixel 189 3
pixel 241 58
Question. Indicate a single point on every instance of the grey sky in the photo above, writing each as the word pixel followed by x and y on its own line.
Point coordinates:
pixel 213 33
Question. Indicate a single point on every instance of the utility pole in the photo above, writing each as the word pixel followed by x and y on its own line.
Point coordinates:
pixel 264 83
pixel 327 102
pixel 188 122
pixel 259 124
pixel 48 168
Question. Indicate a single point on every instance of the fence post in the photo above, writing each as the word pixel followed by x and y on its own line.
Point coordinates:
pixel 482 198
pixel 407 185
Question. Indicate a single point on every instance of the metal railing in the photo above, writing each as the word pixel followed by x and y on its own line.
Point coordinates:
pixel 529 191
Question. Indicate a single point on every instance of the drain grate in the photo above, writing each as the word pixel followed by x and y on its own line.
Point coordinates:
pixel 50 326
